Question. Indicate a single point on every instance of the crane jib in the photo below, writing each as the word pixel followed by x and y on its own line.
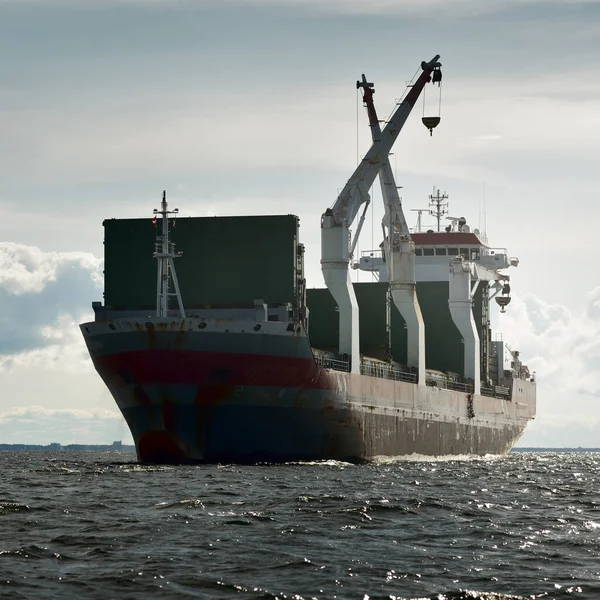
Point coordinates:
pixel 352 196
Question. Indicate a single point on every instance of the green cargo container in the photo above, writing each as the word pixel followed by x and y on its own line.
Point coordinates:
pixel 444 349
pixel 227 261
pixel 323 327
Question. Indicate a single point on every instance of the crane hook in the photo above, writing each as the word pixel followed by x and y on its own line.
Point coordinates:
pixel 431 123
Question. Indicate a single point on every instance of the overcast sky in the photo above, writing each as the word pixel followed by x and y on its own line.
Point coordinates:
pixel 250 107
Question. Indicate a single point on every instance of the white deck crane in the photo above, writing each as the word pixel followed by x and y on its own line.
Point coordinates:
pixel 399 249
pixel 336 221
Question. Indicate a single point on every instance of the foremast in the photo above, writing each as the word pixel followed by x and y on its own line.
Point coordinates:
pixel 336 221
pixel 164 254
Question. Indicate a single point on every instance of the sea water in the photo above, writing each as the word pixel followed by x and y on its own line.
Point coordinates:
pixel 98 525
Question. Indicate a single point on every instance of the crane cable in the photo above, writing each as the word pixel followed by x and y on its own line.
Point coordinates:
pixel 440 100
pixel 358 95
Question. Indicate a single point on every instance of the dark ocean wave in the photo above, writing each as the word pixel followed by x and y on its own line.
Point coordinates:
pixel 526 526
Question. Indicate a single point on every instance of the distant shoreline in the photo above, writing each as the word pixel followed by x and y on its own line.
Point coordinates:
pixel 115 446
pixel 120 447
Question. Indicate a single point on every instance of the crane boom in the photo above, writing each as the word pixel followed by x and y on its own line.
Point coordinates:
pixel 393 219
pixel 356 190
pixel 336 221
pixel 399 251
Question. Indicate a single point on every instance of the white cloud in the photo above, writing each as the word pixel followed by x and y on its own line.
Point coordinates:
pixel 43 295
pixel 27 269
pixel 61 348
pixel 594 304
pixel 564 350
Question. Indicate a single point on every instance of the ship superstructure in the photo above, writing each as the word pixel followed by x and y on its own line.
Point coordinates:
pixel 249 365
pixel 468 274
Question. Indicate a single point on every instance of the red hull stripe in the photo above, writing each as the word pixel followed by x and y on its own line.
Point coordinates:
pixel 210 368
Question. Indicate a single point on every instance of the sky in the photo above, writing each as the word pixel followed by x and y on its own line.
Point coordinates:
pixel 250 107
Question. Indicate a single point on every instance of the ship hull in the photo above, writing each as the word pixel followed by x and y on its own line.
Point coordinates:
pixel 228 393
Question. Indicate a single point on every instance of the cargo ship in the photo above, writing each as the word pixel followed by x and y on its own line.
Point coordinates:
pixel 215 350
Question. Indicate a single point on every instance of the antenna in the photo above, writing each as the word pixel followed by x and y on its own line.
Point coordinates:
pixel 484 213
pixel 438 205
pixel 420 211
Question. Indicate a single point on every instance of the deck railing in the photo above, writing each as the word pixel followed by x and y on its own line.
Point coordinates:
pixel 496 391
pixel 369 367
pixel 376 368
pixel 326 360
pixel 441 380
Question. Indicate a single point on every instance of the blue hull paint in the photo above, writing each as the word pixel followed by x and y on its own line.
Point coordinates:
pixel 245 434
pixel 255 424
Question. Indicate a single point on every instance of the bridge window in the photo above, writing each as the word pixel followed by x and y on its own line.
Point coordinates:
pixel 427 251
pixel 465 252
pixel 440 251
pixel 418 252
pixel 452 251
